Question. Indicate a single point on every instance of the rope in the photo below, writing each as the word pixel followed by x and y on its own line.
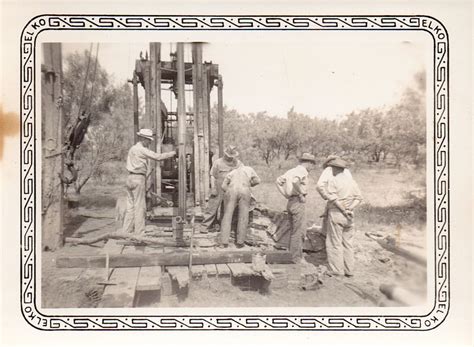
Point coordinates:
pixel 85 81
pixel 94 77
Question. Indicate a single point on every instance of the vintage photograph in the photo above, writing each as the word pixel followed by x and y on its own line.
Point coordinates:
pixel 234 174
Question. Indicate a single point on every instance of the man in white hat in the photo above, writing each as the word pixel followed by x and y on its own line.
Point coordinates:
pixel 293 185
pixel 137 167
pixel 219 170
pixel 343 196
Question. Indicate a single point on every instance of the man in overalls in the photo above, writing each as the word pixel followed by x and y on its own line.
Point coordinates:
pixel 237 193
pixel 219 170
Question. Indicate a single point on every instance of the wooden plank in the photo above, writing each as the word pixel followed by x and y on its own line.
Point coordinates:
pixel 211 270
pixel 112 247
pixel 149 278
pixel 223 270
pixel 179 274
pixel 240 269
pixel 170 259
pixel 166 288
pixel 122 293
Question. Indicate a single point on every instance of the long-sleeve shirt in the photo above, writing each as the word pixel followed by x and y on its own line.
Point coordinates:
pixel 327 175
pixel 294 182
pixel 343 189
pixel 138 158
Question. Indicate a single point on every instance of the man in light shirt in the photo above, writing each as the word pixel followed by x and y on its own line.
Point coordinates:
pixel 137 167
pixel 343 196
pixel 293 185
pixel 237 194
pixel 326 175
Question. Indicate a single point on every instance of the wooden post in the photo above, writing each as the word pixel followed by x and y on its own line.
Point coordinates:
pixel 196 160
pixel 205 106
pixel 220 117
pixel 181 133
pixel 200 120
pixel 155 94
pixel 52 138
pixel 135 106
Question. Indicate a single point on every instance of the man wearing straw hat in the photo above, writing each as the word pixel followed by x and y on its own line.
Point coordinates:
pixel 293 185
pixel 137 167
pixel 343 196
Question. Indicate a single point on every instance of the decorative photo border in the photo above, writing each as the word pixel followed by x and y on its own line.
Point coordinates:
pixel 28 173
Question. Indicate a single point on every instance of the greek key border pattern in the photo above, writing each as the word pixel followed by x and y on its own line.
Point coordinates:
pixel 269 23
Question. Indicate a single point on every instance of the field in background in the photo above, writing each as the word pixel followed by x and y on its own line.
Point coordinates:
pixel 392 197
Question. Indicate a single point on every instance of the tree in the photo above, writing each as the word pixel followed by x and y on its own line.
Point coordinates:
pixel 110 132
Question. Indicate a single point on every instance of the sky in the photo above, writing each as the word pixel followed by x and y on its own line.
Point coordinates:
pixel 327 78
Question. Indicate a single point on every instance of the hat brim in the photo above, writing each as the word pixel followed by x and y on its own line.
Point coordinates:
pixel 339 165
pixel 231 155
pixel 146 137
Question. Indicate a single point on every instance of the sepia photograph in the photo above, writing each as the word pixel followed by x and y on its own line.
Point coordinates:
pixel 235 174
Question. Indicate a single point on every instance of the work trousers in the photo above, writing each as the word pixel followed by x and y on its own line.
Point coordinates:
pixel 233 199
pixel 296 212
pixel 216 206
pixel 339 249
pixel 136 204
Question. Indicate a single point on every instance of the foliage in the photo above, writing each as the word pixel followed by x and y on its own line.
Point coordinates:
pixel 109 134
pixel 396 134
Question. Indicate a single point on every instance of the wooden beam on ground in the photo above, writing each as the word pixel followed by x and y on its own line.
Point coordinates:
pixel 180 274
pixel 122 292
pixel 240 269
pixel 211 270
pixel 170 259
pixel 223 270
pixel 149 278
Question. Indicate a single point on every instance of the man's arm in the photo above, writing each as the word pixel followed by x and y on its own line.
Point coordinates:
pixel 321 186
pixel 254 179
pixel 155 156
pixel 226 182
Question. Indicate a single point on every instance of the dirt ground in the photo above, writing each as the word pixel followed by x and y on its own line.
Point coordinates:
pixel 393 212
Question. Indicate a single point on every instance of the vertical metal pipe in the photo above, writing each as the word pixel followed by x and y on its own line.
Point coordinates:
pixel 135 106
pixel 181 133
pixel 220 116
pixel 200 118
pixel 195 166
pixel 155 94
pixel 206 121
